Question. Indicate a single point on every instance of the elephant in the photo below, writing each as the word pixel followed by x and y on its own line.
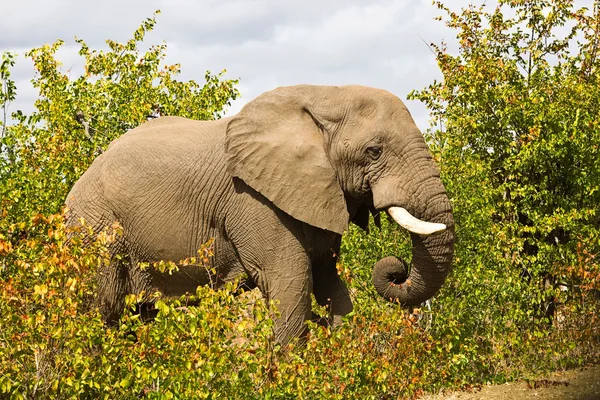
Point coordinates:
pixel 274 187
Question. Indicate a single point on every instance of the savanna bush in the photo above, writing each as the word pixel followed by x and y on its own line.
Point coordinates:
pixel 213 344
pixel 516 135
pixel 53 343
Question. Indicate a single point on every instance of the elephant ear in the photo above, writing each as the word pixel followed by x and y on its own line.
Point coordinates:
pixel 277 146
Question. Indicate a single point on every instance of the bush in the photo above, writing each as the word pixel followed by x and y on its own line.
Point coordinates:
pixel 54 344
pixel 518 148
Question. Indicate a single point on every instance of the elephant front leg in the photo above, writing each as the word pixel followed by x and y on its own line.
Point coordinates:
pixel 290 289
pixel 330 291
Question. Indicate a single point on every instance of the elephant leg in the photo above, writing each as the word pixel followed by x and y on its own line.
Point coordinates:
pixel 289 287
pixel 330 291
pixel 113 287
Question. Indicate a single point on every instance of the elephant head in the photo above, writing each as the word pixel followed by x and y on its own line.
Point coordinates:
pixel 330 155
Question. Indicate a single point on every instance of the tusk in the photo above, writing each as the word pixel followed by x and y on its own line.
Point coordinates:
pixel 412 224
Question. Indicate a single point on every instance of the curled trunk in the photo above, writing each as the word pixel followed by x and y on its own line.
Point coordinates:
pixel 432 254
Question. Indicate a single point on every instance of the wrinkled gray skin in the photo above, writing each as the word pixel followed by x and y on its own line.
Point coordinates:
pixel 275 186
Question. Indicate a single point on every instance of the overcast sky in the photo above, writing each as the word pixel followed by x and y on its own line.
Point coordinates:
pixel 265 43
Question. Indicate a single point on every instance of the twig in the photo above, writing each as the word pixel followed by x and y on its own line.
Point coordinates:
pixel 426 44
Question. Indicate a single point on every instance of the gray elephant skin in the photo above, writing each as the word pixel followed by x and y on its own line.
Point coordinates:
pixel 275 186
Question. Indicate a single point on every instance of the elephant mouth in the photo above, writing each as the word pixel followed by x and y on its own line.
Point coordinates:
pixel 413 224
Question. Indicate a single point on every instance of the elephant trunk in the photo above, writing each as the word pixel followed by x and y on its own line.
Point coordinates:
pixel 432 252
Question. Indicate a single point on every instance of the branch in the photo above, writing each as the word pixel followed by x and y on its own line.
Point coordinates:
pixel 428 46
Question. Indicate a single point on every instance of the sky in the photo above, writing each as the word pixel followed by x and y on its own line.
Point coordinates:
pixel 264 43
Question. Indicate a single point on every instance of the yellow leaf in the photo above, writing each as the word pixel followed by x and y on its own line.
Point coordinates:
pixel 71 284
pixel 40 290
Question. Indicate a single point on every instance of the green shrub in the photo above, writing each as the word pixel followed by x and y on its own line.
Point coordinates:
pixel 54 344
pixel 517 141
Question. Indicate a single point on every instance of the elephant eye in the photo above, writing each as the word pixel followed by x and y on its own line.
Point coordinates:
pixel 374 152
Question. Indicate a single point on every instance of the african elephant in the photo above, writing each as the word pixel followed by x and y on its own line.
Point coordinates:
pixel 275 186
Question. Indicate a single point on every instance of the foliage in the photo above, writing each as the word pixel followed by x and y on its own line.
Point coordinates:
pixel 517 143
pixel 8 91
pixel 216 344
pixel 54 345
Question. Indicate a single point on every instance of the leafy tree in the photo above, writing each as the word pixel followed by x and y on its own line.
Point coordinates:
pixel 517 138
pixel 8 91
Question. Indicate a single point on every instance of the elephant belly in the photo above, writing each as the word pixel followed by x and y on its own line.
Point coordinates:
pixel 187 278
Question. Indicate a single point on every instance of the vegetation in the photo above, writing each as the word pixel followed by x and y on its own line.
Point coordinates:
pixel 516 136
pixel 517 141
